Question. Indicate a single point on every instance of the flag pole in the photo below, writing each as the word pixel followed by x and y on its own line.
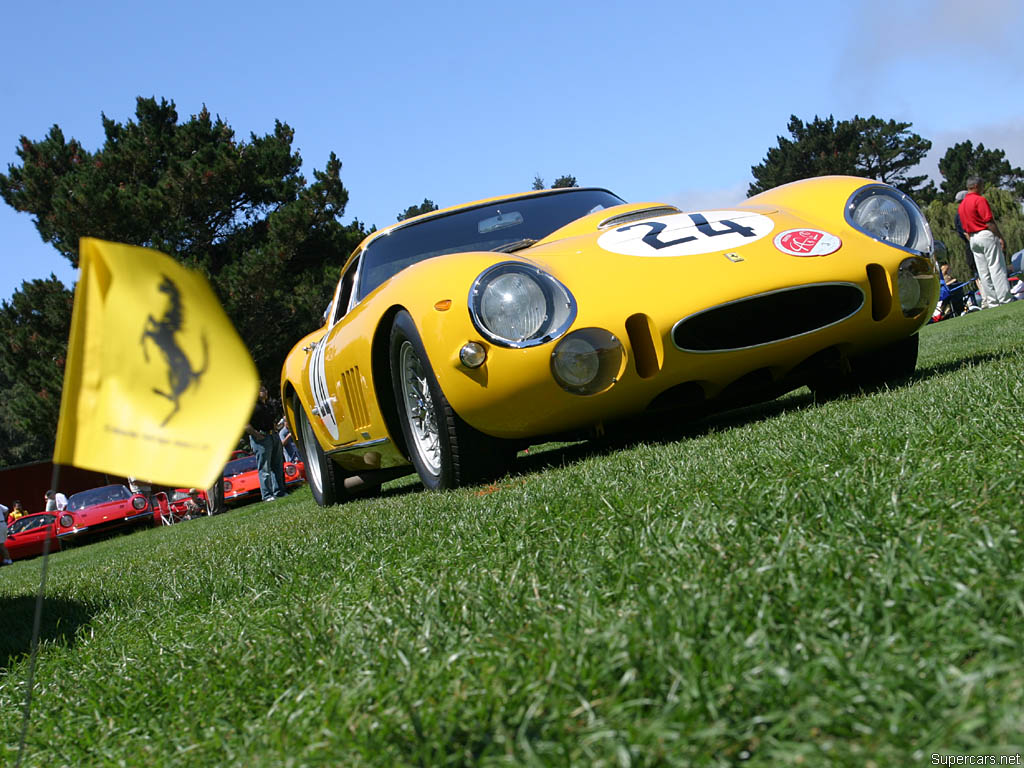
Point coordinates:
pixel 36 623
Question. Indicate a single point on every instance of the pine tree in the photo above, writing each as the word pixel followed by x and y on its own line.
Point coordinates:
pixel 238 210
pixel 869 147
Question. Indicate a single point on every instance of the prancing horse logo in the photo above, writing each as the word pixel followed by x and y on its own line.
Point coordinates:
pixel 180 375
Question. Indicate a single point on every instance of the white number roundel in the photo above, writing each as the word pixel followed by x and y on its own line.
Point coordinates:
pixel 687 234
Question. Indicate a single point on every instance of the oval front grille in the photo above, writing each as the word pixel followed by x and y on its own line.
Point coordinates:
pixel 770 317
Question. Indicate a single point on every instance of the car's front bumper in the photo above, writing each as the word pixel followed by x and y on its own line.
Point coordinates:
pixel 105 525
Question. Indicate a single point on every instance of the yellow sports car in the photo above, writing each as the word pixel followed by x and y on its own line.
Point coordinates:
pixel 460 336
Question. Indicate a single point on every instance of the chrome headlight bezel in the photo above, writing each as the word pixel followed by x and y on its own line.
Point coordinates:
pixel 919 241
pixel 560 305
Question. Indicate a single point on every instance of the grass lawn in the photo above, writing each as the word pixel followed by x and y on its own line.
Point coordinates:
pixel 792 584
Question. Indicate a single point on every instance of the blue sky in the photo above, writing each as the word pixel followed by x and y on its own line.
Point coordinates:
pixel 668 101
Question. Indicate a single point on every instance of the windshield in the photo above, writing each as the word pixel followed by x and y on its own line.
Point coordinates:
pixel 238 466
pixel 29 523
pixel 98 496
pixel 484 228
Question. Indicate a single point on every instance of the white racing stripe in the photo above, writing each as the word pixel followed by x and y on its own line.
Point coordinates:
pixel 318 386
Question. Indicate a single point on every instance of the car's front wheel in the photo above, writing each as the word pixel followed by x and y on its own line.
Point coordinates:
pixel 445 450
pixel 215 498
pixel 887 365
pixel 326 479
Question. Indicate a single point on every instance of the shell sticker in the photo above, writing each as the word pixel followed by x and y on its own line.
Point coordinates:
pixel 807 242
pixel 687 234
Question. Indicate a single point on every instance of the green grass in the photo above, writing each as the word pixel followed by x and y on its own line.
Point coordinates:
pixel 793 584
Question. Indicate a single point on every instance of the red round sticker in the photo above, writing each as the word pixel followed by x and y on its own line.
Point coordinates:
pixel 807 242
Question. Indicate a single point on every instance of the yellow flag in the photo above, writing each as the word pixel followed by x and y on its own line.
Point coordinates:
pixel 158 385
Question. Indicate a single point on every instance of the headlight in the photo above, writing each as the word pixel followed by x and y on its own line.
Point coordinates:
pixel 517 305
pixel 139 502
pixel 67 521
pixel 886 213
pixel 587 361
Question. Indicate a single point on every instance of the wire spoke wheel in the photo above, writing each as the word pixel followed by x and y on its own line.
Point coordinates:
pixel 326 479
pixel 312 467
pixel 419 408
pixel 445 451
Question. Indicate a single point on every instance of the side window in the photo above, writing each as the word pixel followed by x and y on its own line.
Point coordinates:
pixel 341 306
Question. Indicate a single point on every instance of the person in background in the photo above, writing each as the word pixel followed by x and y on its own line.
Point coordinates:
pixel 266 445
pixel 55 501
pixel 947 276
pixel 957 225
pixel 18 511
pixel 3 537
pixel 139 486
pixel 194 505
pixel 987 245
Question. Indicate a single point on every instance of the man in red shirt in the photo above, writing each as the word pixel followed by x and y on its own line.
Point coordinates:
pixel 987 245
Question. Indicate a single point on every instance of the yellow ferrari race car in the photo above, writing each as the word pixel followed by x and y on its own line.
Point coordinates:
pixel 460 336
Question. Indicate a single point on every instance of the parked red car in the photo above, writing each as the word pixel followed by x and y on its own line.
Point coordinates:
pixel 242 480
pixel 293 457
pixel 97 511
pixel 26 536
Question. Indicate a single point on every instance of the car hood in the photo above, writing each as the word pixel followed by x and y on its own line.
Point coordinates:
pixel 107 511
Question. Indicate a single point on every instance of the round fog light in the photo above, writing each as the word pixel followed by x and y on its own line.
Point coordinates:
pixel 576 362
pixel 910 282
pixel 472 354
pixel 587 361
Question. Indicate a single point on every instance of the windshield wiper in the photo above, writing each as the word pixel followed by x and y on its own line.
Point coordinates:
pixel 518 245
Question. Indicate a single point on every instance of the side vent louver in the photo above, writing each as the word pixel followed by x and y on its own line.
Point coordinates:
pixel 352 384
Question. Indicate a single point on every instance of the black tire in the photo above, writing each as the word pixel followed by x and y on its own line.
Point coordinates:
pixel 215 498
pixel 326 479
pixel 444 449
pixel 890 364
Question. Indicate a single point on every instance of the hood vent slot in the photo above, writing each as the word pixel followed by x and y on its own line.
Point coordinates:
pixel 642 213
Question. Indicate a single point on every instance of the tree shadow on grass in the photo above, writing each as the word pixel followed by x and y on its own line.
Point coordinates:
pixel 59 623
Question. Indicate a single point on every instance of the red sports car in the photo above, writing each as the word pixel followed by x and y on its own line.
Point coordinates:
pixel 242 480
pixel 26 536
pixel 294 466
pixel 97 511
